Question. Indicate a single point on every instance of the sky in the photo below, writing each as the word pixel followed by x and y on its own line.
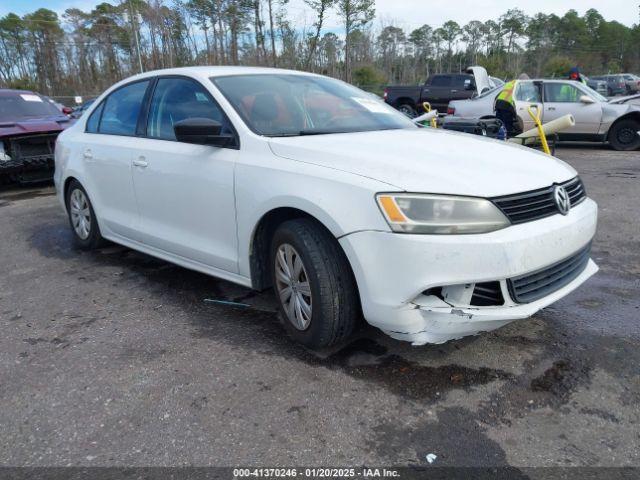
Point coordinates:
pixel 404 13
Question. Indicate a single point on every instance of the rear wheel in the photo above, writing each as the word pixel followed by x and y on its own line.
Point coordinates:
pixel 625 135
pixel 313 283
pixel 408 110
pixel 82 218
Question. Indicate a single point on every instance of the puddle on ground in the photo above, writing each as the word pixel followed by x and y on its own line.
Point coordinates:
pixel 14 196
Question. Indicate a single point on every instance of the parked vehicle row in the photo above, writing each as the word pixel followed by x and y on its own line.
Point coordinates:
pixel 298 182
pixel 597 118
pixel 599 86
pixel 633 83
pixel 438 90
pixel 616 84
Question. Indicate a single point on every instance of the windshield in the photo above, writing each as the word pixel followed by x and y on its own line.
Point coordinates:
pixel 490 92
pixel 595 94
pixel 19 106
pixel 278 105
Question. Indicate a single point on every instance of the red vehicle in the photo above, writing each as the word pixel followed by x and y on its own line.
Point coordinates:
pixel 29 125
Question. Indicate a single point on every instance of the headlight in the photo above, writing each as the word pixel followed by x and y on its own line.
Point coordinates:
pixel 440 214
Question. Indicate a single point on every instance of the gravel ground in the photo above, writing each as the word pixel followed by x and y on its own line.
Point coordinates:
pixel 113 358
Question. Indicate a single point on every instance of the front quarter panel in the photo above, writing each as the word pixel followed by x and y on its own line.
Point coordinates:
pixel 610 113
pixel 344 203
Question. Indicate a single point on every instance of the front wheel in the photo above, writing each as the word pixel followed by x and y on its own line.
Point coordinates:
pixel 625 135
pixel 313 283
pixel 82 218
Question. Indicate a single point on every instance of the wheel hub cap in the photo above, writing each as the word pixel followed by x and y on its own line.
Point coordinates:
pixel 627 135
pixel 292 284
pixel 80 214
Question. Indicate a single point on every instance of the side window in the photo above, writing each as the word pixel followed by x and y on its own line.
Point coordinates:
pixel 94 119
pixel 176 99
pixel 122 108
pixel 528 92
pixel 561 93
pixel 441 81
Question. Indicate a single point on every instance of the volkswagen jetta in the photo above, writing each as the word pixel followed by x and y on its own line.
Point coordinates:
pixel 346 208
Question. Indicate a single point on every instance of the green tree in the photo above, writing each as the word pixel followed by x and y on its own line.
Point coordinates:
pixel 355 14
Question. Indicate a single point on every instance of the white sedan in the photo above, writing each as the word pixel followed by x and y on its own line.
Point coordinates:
pixel 273 178
pixel 597 119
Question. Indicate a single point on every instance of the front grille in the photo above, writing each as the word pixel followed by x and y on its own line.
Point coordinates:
pixel 487 294
pixel 537 204
pixel 32 147
pixel 534 286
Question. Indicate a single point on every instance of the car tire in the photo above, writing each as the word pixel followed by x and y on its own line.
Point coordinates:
pixel 319 303
pixel 82 218
pixel 624 135
pixel 408 110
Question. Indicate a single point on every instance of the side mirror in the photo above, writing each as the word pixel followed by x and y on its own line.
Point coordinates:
pixel 586 99
pixel 201 131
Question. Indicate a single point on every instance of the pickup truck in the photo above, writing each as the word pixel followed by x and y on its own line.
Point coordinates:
pixel 438 90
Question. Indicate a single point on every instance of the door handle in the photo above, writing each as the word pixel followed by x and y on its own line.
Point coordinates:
pixel 551 108
pixel 87 155
pixel 454 91
pixel 140 162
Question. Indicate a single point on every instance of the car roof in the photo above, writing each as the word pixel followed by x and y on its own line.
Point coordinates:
pixel 10 91
pixel 219 71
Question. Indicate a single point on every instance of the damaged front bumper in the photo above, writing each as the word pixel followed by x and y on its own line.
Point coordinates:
pixel 420 288
pixel 28 158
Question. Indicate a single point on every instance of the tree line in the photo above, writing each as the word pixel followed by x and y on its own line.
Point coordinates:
pixel 83 52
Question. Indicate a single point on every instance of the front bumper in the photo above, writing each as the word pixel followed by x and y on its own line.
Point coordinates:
pixel 30 157
pixel 393 270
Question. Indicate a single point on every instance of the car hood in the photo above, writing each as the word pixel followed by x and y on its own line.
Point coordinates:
pixel 430 160
pixel 621 100
pixel 10 128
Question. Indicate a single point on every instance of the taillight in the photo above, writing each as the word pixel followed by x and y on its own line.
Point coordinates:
pixel 451 111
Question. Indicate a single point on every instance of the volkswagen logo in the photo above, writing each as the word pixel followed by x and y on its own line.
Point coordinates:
pixel 562 200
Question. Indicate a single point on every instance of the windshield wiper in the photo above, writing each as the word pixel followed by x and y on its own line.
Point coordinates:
pixel 304 133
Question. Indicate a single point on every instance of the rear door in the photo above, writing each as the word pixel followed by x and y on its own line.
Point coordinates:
pixel 528 95
pixel 185 192
pixel 562 98
pixel 107 153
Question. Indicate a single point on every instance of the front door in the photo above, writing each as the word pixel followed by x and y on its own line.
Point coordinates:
pixel 185 192
pixel 527 95
pixel 562 98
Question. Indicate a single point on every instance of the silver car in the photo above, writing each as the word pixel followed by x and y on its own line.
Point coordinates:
pixel 597 119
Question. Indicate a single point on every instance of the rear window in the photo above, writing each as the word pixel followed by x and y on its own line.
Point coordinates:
pixel 441 81
pixel 94 119
pixel 121 109
pixel 459 80
pixel 18 106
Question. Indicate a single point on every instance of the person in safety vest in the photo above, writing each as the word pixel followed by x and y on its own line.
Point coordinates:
pixel 505 108
pixel 574 74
